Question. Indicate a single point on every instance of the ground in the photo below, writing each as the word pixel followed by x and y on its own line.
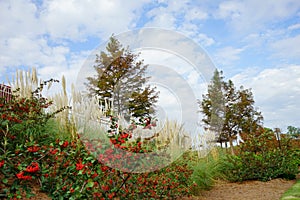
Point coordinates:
pixel 248 190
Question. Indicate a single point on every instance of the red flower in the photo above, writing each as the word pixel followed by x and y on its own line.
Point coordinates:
pixel 1 163
pixel 139 144
pixel 96 184
pixel 79 166
pixel 22 177
pixel 104 168
pixel 105 188
pixel 97 194
pixel 53 151
pixel 125 135
pixel 94 175
pixel 121 140
pixel 33 149
pixel 111 195
pixel 34 167
pixel 114 141
pixel 65 144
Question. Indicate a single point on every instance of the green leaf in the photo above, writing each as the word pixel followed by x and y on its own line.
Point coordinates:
pixel 90 184
pixel 5 181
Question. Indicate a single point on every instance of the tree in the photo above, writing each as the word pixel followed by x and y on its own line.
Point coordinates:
pixel 229 111
pixel 293 131
pixel 213 106
pixel 121 79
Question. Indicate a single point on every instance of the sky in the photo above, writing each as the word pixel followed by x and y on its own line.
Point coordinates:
pixel 255 43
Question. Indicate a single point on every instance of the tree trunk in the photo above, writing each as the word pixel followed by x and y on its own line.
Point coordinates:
pixel 231 146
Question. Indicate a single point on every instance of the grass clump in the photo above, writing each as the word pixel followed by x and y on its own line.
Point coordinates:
pixel 293 193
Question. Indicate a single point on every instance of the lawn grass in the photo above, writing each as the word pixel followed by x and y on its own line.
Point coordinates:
pixel 293 193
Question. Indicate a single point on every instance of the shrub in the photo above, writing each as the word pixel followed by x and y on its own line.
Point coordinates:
pixel 23 140
pixel 67 169
pixel 260 159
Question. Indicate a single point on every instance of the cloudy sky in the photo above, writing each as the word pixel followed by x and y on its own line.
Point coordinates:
pixel 255 43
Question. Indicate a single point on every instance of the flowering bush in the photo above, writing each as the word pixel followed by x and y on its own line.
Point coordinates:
pixel 22 140
pixel 68 169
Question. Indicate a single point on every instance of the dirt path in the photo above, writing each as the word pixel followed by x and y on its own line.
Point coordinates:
pixel 249 190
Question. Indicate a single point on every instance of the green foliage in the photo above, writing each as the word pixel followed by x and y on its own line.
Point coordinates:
pixel 204 174
pixel 121 79
pixel 205 170
pixel 228 111
pixel 22 140
pixel 56 131
pixel 66 169
pixel 261 159
pixel 294 132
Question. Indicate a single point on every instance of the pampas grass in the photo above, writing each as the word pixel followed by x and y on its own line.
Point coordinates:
pixel 25 82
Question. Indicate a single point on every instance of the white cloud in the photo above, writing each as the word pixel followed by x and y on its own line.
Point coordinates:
pixel 19 18
pixel 161 19
pixel 205 40
pixel 276 92
pixel 294 26
pixel 26 51
pixel 227 55
pixel 253 15
pixel 196 14
pixel 82 18
pixel 229 10
pixel 183 16
pixel 28 30
pixel 287 47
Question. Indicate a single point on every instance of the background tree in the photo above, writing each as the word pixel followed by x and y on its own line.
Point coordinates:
pixel 213 106
pixel 229 111
pixel 121 79
pixel 293 131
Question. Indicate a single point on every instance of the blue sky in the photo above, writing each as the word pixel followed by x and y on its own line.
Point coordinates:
pixel 256 43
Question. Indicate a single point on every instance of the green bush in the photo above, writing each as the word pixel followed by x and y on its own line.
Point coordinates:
pixel 258 160
pixel 23 141
pixel 251 166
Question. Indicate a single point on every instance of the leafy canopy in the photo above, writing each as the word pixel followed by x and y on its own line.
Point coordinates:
pixel 227 110
pixel 121 79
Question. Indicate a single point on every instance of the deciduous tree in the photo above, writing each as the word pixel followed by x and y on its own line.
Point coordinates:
pixel 294 132
pixel 121 79
pixel 229 111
